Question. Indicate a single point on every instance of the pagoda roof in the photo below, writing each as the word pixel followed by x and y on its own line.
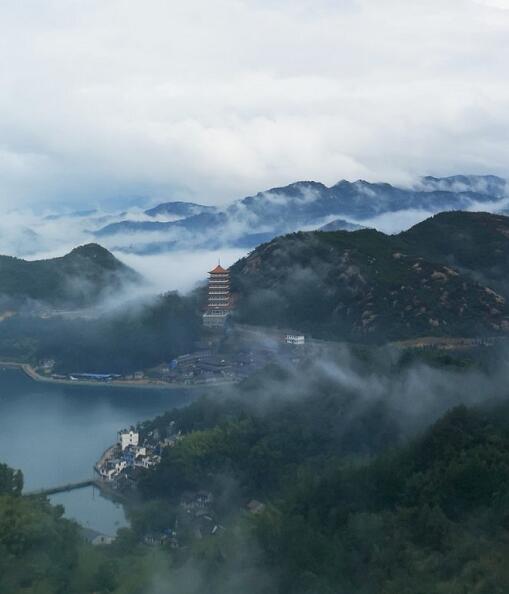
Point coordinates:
pixel 218 270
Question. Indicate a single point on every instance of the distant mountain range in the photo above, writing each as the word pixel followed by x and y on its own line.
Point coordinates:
pixel 446 276
pixel 80 278
pixel 179 209
pixel 299 206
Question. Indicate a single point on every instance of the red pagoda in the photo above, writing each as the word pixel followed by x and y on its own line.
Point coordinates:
pixel 219 298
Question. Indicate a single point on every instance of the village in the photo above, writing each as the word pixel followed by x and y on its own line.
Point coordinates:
pixel 227 353
pixel 119 468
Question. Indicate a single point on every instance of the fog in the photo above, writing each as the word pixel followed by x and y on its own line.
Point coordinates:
pixel 180 270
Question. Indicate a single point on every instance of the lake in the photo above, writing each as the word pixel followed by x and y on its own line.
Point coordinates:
pixel 56 433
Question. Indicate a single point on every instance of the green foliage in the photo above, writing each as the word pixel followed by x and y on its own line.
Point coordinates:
pixel 77 279
pixel 237 439
pixel 475 242
pixel 418 519
pixel 11 481
pixel 132 338
pixel 367 286
pixel 38 549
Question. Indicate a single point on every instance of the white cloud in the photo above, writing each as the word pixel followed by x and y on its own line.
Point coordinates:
pixel 179 270
pixel 502 4
pixel 214 100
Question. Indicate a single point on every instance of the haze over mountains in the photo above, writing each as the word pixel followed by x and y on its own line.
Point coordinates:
pixel 446 276
pixel 300 206
pixel 81 278
pixel 247 222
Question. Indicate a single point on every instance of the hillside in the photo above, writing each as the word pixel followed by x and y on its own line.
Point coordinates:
pixel 366 285
pixel 77 279
pixel 473 242
pixel 351 500
pixel 178 209
pixel 340 225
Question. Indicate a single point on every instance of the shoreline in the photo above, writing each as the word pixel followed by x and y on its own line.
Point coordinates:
pixel 29 371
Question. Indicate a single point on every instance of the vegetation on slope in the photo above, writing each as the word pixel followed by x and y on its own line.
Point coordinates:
pixel 77 279
pixel 133 337
pixel 475 243
pixel 369 286
pixel 351 505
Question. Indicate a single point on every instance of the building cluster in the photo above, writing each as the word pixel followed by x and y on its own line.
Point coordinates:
pixel 248 351
pixel 294 339
pixel 208 367
pixel 128 454
pixel 195 519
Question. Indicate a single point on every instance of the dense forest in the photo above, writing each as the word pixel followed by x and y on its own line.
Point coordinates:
pixel 444 277
pixel 353 501
pixel 131 337
pixel 81 278
pixel 357 493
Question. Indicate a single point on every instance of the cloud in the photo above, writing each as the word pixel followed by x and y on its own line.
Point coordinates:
pixel 210 101
pixel 501 4
pixel 179 270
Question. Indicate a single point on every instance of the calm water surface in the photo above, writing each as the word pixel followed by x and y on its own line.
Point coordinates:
pixel 55 434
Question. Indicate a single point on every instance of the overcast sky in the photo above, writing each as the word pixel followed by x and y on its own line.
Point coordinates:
pixel 213 100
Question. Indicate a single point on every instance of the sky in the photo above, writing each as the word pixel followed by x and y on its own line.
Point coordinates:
pixel 117 101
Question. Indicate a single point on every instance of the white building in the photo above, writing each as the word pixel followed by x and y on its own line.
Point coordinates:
pixel 128 438
pixel 147 461
pixel 297 339
pixel 113 469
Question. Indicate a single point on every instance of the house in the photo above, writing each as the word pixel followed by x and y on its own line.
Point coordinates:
pixel 147 461
pixel 295 339
pixel 128 438
pixel 95 538
pixel 47 365
pixel 102 539
pixel 112 469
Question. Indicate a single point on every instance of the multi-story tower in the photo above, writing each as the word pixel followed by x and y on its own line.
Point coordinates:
pixel 219 298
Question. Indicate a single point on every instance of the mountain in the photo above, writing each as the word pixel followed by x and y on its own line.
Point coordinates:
pixel 340 225
pixel 178 209
pixel 194 224
pixel 365 285
pixel 303 204
pixel 476 243
pixel 310 201
pixel 77 279
pixel 491 185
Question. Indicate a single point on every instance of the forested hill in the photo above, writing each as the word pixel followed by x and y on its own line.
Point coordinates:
pixel 473 242
pixel 444 277
pixel 77 279
pixel 350 503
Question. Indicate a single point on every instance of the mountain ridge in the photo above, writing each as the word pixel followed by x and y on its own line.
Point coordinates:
pixel 308 204
pixel 78 278
pixel 368 286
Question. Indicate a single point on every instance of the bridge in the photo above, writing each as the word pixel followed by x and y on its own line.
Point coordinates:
pixel 65 488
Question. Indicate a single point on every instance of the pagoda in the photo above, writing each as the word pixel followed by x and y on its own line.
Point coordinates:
pixel 219 298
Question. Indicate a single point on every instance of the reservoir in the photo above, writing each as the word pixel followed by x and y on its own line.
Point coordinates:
pixel 55 434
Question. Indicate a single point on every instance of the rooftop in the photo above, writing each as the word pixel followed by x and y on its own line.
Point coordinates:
pixel 218 270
